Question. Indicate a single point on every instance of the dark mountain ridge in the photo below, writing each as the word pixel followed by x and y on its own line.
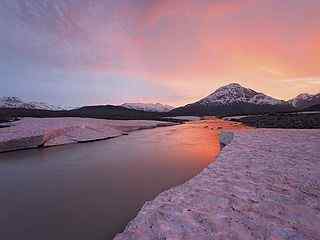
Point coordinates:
pixel 230 100
pixel 102 112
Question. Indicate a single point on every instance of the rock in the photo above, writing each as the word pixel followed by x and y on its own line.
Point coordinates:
pixel 225 138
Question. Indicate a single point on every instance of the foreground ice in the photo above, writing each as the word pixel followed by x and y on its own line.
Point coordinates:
pixel 264 185
pixel 36 132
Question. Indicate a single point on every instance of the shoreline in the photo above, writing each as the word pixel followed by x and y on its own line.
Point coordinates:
pixel 264 184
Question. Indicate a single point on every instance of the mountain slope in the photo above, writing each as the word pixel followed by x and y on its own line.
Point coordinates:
pixel 305 100
pixel 148 107
pixel 233 99
pixel 14 102
pixel 235 93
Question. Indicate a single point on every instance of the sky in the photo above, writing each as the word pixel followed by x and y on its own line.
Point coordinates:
pixel 81 52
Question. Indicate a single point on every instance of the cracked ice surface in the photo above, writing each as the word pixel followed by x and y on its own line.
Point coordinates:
pixel 35 132
pixel 264 185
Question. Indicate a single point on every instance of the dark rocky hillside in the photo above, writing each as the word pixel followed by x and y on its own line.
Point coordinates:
pixel 283 120
pixel 103 112
pixel 313 108
pixel 229 110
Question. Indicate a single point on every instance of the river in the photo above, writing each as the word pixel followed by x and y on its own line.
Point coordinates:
pixel 91 191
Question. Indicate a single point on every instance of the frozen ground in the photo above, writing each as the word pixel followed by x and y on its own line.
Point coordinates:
pixel 264 185
pixel 35 132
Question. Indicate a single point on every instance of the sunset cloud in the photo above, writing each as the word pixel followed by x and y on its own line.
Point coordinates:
pixel 190 47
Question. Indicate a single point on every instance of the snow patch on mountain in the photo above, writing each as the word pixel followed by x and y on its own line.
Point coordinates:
pixel 264 99
pixel 305 100
pixel 235 93
pixel 148 107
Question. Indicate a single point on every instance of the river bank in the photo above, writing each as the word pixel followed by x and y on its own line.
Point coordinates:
pixel 264 185
pixel 92 190
pixel 46 132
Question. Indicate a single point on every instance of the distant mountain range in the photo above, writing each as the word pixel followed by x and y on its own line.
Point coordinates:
pixel 148 107
pixel 229 100
pixel 234 99
pixel 14 102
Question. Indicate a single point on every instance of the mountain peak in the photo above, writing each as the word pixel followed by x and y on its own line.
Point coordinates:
pixel 305 100
pixel 149 107
pixel 10 102
pixel 235 93
pixel 15 102
pixel 304 96
pixel 10 99
pixel 232 85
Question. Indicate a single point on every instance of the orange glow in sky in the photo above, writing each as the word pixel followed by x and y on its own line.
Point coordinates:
pixel 270 46
pixel 181 49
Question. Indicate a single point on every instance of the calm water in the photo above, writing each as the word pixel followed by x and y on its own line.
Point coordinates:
pixel 91 191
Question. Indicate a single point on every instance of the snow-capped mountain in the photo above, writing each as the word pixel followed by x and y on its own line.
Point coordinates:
pixel 14 102
pixel 305 100
pixel 235 93
pixel 148 107
pixel 233 99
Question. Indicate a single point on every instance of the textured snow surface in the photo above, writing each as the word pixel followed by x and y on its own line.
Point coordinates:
pixel 14 102
pixel 35 132
pixel 264 185
pixel 150 107
pixel 235 93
